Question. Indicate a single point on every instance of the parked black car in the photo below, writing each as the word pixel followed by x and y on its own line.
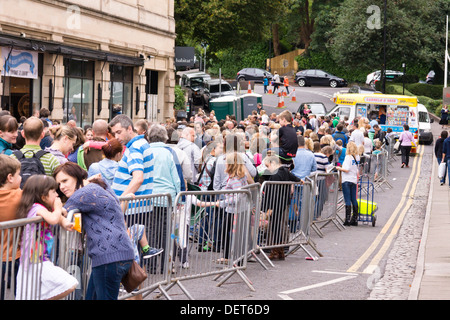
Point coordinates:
pixel 253 74
pixel 216 88
pixel 317 77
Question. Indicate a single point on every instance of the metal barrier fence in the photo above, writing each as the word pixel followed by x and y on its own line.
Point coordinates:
pixel 326 198
pixel 24 242
pixel 202 234
pixel 375 167
pixel 285 218
pixel 209 236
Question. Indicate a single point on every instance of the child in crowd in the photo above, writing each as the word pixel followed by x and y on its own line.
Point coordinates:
pixel 232 203
pixel 276 199
pixel 40 199
pixel 340 152
pixel 10 194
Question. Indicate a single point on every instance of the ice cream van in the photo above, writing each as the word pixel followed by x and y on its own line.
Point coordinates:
pixel 392 111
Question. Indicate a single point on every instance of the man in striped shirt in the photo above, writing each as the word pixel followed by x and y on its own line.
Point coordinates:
pixel 135 172
pixel 33 132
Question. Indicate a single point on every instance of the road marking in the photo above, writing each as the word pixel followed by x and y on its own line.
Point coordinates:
pixel 375 261
pixel 405 195
pixel 285 294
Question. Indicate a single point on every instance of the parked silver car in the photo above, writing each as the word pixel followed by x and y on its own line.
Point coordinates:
pixel 215 88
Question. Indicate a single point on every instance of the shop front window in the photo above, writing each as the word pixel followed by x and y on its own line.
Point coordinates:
pixel 79 92
pixel 121 90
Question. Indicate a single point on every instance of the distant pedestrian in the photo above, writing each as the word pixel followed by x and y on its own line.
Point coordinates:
pixel 266 83
pixel 406 141
pixel 446 156
pixel 438 149
pixel 444 117
pixel 286 84
pixel 276 81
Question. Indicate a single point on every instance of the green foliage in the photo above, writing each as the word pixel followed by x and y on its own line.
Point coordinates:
pixel 179 99
pixel 433 105
pixel 423 89
pixel 231 61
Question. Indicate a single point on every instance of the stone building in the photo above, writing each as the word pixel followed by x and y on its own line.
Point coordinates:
pixel 88 59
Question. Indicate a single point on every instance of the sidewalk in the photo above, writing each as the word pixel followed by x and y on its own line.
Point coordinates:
pixel 432 278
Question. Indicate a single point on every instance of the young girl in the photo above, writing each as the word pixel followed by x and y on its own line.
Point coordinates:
pixel 349 171
pixel 38 277
pixel 232 203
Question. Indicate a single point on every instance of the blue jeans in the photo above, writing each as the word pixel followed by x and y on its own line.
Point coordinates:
pixel 349 192
pixel 104 282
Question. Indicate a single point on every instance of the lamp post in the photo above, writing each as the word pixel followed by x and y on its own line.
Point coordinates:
pixel 383 73
pixel 404 74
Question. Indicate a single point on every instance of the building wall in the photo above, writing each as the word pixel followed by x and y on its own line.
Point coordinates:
pixel 125 27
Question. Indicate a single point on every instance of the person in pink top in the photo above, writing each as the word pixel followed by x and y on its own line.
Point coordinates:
pixel 406 141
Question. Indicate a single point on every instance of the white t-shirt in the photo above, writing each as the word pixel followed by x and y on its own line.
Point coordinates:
pixel 368 146
pixel 357 137
pixel 352 166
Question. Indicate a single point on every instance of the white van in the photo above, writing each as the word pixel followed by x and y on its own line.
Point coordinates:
pixel 393 111
pixel 425 134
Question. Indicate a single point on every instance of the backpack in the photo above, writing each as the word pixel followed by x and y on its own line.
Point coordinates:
pixel 30 166
pixel 210 173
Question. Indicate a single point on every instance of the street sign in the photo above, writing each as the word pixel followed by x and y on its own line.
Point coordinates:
pixel 184 56
pixel 446 96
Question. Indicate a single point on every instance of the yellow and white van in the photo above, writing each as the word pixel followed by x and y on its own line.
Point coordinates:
pixel 392 111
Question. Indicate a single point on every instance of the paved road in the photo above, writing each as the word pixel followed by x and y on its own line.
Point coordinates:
pixel 306 94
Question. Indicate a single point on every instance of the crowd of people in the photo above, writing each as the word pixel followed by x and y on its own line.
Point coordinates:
pixel 49 168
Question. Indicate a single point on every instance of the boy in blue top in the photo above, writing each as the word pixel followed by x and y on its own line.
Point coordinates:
pixel 266 83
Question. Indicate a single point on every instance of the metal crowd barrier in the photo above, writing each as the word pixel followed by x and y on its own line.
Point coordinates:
pixel 375 167
pixel 10 249
pixel 149 222
pixel 285 217
pixel 326 201
pixel 148 219
pixel 209 237
pixel 195 234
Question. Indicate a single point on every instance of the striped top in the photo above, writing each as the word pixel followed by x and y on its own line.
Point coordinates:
pixel 137 156
pixel 322 161
pixel 49 161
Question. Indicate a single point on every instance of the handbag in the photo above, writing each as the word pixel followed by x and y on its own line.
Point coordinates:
pixel 134 277
pixel 397 145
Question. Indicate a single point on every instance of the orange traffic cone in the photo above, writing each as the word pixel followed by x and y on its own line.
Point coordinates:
pixel 279 103
pixel 249 87
pixel 282 101
pixel 293 98
pixel 279 93
pixel 270 91
pixel 284 94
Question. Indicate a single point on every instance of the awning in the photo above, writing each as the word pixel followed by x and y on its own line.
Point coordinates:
pixel 75 52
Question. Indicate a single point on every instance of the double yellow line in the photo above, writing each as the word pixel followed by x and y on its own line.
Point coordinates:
pixel 400 212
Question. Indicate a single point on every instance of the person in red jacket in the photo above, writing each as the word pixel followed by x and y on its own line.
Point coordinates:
pixel 286 84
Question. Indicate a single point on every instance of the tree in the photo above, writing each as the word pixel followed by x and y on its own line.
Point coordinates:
pixel 411 34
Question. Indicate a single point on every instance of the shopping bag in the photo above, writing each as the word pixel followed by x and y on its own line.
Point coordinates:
pixel 441 169
pixel 397 145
